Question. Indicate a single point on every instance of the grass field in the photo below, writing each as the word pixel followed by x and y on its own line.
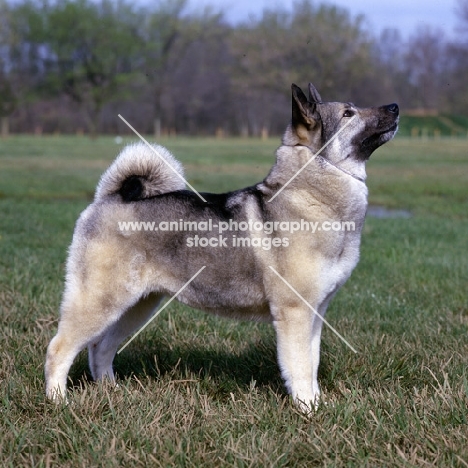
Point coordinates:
pixel 198 391
pixel 434 126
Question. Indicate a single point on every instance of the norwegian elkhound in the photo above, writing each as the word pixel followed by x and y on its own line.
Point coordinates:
pixel 277 251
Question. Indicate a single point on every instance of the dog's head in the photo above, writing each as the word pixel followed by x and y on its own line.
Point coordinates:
pixel 349 133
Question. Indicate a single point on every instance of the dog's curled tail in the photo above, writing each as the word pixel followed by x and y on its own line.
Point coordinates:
pixel 141 172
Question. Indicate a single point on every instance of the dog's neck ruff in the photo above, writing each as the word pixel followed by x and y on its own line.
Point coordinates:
pixel 360 179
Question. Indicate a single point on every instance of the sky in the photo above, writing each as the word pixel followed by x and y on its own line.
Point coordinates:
pixel 405 15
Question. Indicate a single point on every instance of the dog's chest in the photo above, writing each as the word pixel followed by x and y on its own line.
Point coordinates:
pixel 344 250
pixel 338 234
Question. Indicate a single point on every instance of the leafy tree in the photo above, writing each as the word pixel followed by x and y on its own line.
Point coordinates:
pixel 88 49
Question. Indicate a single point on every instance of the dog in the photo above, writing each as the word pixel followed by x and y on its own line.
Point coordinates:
pixel 116 277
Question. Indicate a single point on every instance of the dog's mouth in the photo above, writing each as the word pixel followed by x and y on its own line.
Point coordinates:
pixel 393 128
pixel 378 139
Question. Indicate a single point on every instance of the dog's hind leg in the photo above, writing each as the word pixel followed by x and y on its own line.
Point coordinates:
pixel 101 351
pixel 84 317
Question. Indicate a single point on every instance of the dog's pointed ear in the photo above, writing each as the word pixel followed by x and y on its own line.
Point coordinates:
pixel 303 111
pixel 314 95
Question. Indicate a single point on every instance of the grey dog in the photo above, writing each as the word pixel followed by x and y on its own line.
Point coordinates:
pixel 115 278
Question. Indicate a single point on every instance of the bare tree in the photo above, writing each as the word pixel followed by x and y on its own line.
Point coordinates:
pixel 457 70
pixel 7 95
pixel 426 65
pixel 322 44
pixel 168 35
pixel 199 96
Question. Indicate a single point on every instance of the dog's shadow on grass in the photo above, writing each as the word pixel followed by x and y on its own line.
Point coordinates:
pixel 218 371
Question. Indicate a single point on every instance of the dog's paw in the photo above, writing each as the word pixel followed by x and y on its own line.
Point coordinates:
pixel 57 397
pixel 308 405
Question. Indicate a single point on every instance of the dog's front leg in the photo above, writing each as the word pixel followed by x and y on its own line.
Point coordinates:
pixel 295 327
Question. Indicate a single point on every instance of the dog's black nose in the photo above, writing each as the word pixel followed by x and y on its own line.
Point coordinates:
pixel 393 108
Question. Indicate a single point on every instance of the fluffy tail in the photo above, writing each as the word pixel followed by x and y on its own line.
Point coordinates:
pixel 139 172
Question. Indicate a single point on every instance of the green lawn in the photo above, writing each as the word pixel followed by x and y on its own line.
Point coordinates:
pixel 434 126
pixel 195 390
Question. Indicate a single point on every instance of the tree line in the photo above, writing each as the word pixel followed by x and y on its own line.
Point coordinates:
pixel 74 65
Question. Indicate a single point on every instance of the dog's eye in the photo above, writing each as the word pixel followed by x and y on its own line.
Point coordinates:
pixel 348 113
